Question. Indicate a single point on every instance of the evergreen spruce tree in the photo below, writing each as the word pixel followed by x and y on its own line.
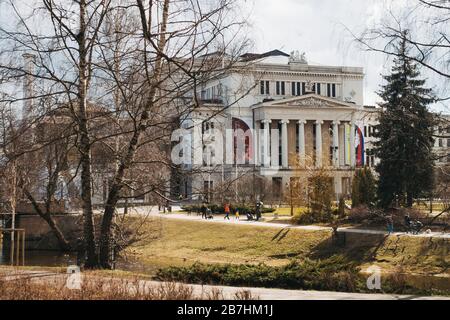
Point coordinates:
pixel 363 188
pixel 404 134
pixel 356 182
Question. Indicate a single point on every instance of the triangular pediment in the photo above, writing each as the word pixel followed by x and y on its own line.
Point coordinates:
pixel 311 101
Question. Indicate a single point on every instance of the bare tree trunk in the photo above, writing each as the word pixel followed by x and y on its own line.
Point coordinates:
pixel 62 241
pixel 114 192
pixel 85 146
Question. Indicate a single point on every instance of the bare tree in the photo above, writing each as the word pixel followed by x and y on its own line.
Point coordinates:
pixel 424 25
pixel 123 74
pixel 37 173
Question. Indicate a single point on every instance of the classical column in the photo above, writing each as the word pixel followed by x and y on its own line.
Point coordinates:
pixel 284 144
pixel 256 144
pixel 301 140
pixel 319 143
pixel 352 145
pixel 275 147
pixel 266 143
pixel 336 144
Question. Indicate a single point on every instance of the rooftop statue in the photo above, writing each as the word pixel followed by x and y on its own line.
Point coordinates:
pixel 296 57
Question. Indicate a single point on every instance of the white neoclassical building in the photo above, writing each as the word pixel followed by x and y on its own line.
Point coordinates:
pixel 292 111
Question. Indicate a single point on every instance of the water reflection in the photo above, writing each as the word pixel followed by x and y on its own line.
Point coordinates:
pixel 44 259
pixel 56 259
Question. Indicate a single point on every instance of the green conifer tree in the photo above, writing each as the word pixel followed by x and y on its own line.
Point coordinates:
pixel 405 134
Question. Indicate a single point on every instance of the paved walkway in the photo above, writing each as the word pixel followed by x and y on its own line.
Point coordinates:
pixel 153 211
pixel 230 292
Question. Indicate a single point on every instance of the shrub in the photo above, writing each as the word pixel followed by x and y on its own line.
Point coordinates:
pixel 321 193
pixel 363 214
pixel 334 273
pixel 360 214
pixel 310 217
pixel 304 218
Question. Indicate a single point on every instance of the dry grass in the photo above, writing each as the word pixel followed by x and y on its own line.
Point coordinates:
pixel 413 254
pixel 181 243
pixel 22 287
pixel 184 242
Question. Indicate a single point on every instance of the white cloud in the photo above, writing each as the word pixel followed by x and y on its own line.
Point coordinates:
pixel 320 29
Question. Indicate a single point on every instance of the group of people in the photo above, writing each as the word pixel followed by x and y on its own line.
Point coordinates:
pixel 228 210
pixel 413 226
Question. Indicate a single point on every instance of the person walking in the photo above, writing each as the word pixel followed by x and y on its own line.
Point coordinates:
pixel 390 224
pixel 236 214
pixel 204 210
pixel 258 210
pixel 227 211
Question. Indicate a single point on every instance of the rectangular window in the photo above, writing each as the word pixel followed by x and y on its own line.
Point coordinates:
pixel 346 186
pixel 440 143
pixel 303 87
pixel 333 90
pixel 365 131
pixel 281 88
pixel 264 87
pixel 293 91
pixel 277 188
pixel 296 88
pixel 448 143
pixel 318 87
pixel 328 89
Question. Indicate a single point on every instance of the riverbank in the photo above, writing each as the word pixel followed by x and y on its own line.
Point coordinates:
pixel 184 241
pixel 421 262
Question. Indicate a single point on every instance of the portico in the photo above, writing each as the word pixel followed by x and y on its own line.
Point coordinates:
pixel 306 132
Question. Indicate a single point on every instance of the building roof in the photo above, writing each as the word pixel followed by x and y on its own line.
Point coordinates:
pixel 256 56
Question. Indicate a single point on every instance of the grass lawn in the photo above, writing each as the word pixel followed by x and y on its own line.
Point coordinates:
pixel 185 242
pixel 286 211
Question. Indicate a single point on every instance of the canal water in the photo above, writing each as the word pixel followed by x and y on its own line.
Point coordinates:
pixel 44 258
pixel 55 259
